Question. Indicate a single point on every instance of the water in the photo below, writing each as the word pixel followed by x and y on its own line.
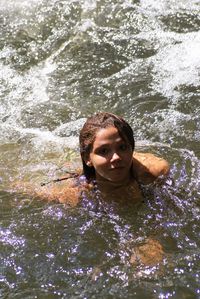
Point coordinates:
pixel 61 61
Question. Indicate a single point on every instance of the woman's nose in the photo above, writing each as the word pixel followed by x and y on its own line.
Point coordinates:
pixel 115 157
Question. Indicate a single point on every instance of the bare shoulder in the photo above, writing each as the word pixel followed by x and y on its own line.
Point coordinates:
pixel 147 167
pixel 63 191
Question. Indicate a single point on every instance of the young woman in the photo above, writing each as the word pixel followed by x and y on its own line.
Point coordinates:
pixel 110 165
pixel 109 161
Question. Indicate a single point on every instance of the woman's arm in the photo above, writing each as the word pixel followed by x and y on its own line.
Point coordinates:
pixel 64 191
pixel 148 167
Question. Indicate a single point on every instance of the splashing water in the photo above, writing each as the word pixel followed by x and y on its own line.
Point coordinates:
pixel 61 61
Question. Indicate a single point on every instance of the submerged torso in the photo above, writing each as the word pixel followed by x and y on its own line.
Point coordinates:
pixel 128 192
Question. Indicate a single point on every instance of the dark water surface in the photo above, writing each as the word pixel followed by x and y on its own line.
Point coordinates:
pixel 61 61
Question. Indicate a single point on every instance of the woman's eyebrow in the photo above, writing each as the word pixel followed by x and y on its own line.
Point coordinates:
pixel 102 145
pixel 108 143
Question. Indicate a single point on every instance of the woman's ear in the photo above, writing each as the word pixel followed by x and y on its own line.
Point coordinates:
pixel 89 163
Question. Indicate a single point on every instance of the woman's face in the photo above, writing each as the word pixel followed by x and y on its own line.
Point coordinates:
pixel 111 156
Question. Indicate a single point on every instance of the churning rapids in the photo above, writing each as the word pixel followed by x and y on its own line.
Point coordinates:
pixel 61 61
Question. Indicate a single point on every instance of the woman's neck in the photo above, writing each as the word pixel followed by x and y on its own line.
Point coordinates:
pixel 109 186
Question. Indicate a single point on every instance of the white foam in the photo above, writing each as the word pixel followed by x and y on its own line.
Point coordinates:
pixel 42 139
pixel 23 93
pixel 165 7
pixel 69 128
pixel 177 64
pixel 13 5
pixel 89 5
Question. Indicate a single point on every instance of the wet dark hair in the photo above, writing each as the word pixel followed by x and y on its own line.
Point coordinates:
pixel 88 134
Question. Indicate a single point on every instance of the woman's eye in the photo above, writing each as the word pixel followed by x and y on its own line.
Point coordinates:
pixel 123 147
pixel 103 151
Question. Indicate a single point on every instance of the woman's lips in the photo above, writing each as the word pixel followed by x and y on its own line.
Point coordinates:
pixel 116 168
